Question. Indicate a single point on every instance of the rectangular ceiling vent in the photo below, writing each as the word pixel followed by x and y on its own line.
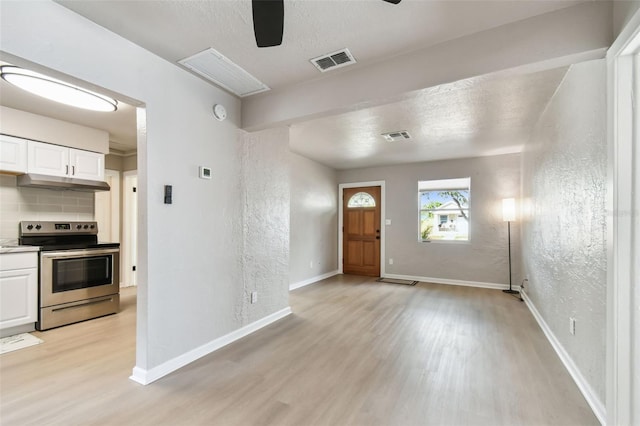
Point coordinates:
pixel 216 67
pixel 400 135
pixel 334 60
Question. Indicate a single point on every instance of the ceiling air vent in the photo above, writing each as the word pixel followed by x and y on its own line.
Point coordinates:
pixel 215 67
pixel 400 135
pixel 334 60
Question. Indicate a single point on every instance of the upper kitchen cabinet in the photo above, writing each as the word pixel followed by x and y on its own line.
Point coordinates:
pixel 55 160
pixel 86 164
pixel 13 155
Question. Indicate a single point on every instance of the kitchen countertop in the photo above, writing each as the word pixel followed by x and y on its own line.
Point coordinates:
pixel 12 246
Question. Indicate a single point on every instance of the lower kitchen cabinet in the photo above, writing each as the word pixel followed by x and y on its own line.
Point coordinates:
pixel 18 291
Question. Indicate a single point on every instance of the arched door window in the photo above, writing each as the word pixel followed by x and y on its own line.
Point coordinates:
pixel 361 199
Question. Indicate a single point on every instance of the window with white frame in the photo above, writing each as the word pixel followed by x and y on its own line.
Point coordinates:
pixel 444 209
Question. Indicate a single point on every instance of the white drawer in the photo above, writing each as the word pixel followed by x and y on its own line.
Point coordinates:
pixel 10 261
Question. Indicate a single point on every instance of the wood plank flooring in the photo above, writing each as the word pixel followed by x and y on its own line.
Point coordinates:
pixel 355 352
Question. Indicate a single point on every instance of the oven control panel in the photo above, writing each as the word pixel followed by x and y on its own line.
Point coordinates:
pixel 57 228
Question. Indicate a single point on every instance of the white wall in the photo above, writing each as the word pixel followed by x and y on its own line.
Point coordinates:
pixel 484 259
pixel 314 220
pixel 33 126
pixel 564 186
pixel 190 252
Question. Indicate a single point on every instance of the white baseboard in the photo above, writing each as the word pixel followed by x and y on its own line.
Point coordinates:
pixel 313 280
pixel 587 391
pixel 145 377
pixel 447 281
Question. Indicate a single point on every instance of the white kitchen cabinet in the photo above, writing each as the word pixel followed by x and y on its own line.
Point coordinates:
pixel 86 164
pixel 48 159
pixel 13 155
pixel 18 289
pixel 56 160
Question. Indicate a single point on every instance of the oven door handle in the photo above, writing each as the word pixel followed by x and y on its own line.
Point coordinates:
pixel 77 253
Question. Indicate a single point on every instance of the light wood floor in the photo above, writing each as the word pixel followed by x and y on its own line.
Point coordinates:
pixel 355 352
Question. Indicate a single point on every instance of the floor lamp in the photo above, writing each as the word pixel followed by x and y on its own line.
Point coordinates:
pixel 509 215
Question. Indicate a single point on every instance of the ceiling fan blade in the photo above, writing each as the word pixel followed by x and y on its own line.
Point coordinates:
pixel 268 22
pixel 393 1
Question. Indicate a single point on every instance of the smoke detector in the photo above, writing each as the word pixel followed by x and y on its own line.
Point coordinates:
pixel 333 60
pixel 399 135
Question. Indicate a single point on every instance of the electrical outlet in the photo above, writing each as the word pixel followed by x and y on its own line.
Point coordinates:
pixel 254 297
pixel 390 261
pixel 572 326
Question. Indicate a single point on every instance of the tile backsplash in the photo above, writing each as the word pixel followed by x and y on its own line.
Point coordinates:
pixel 18 204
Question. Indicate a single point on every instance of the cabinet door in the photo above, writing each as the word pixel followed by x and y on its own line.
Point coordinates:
pixel 48 159
pixel 13 154
pixel 86 164
pixel 18 297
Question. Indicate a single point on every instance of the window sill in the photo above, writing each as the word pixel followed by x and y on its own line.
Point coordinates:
pixel 445 241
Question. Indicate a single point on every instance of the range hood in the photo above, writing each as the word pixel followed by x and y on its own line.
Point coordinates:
pixel 31 180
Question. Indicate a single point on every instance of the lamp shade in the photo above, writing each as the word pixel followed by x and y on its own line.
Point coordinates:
pixel 509 209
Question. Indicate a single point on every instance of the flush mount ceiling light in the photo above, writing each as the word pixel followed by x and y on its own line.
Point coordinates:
pixel 56 90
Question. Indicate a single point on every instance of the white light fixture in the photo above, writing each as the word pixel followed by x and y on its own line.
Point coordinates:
pixel 509 209
pixel 56 90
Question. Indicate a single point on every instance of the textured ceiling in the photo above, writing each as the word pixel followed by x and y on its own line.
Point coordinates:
pixel 474 117
pixel 372 29
pixel 468 118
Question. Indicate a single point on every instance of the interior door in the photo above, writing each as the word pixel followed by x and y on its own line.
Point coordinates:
pixel 130 229
pixel 107 209
pixel 361 231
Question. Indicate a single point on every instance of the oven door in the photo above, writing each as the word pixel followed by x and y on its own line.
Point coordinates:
pixel 72 275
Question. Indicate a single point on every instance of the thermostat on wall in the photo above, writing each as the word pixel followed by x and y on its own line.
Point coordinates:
pixel 205 172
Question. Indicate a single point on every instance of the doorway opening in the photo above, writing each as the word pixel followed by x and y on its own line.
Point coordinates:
pixel 623 226
pixel 130 229
pixel 104 208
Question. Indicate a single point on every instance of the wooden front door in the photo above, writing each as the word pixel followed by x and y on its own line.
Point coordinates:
pixel 361 231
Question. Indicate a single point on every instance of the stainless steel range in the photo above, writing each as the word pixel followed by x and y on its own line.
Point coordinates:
pixel 79 277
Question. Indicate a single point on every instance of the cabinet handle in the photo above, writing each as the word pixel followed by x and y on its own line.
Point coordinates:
pixel 73 170
pixel 67 170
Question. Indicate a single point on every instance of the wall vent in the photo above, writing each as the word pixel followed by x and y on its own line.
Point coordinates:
pixel 399 135
pixel 334 60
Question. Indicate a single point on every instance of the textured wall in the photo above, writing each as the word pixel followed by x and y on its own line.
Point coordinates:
pixel 484 258
pixel 314 219
pixel 564 252
pixel 265 193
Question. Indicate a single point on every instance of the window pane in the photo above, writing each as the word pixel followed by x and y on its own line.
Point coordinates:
pixel 361 199
pixel 444 212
